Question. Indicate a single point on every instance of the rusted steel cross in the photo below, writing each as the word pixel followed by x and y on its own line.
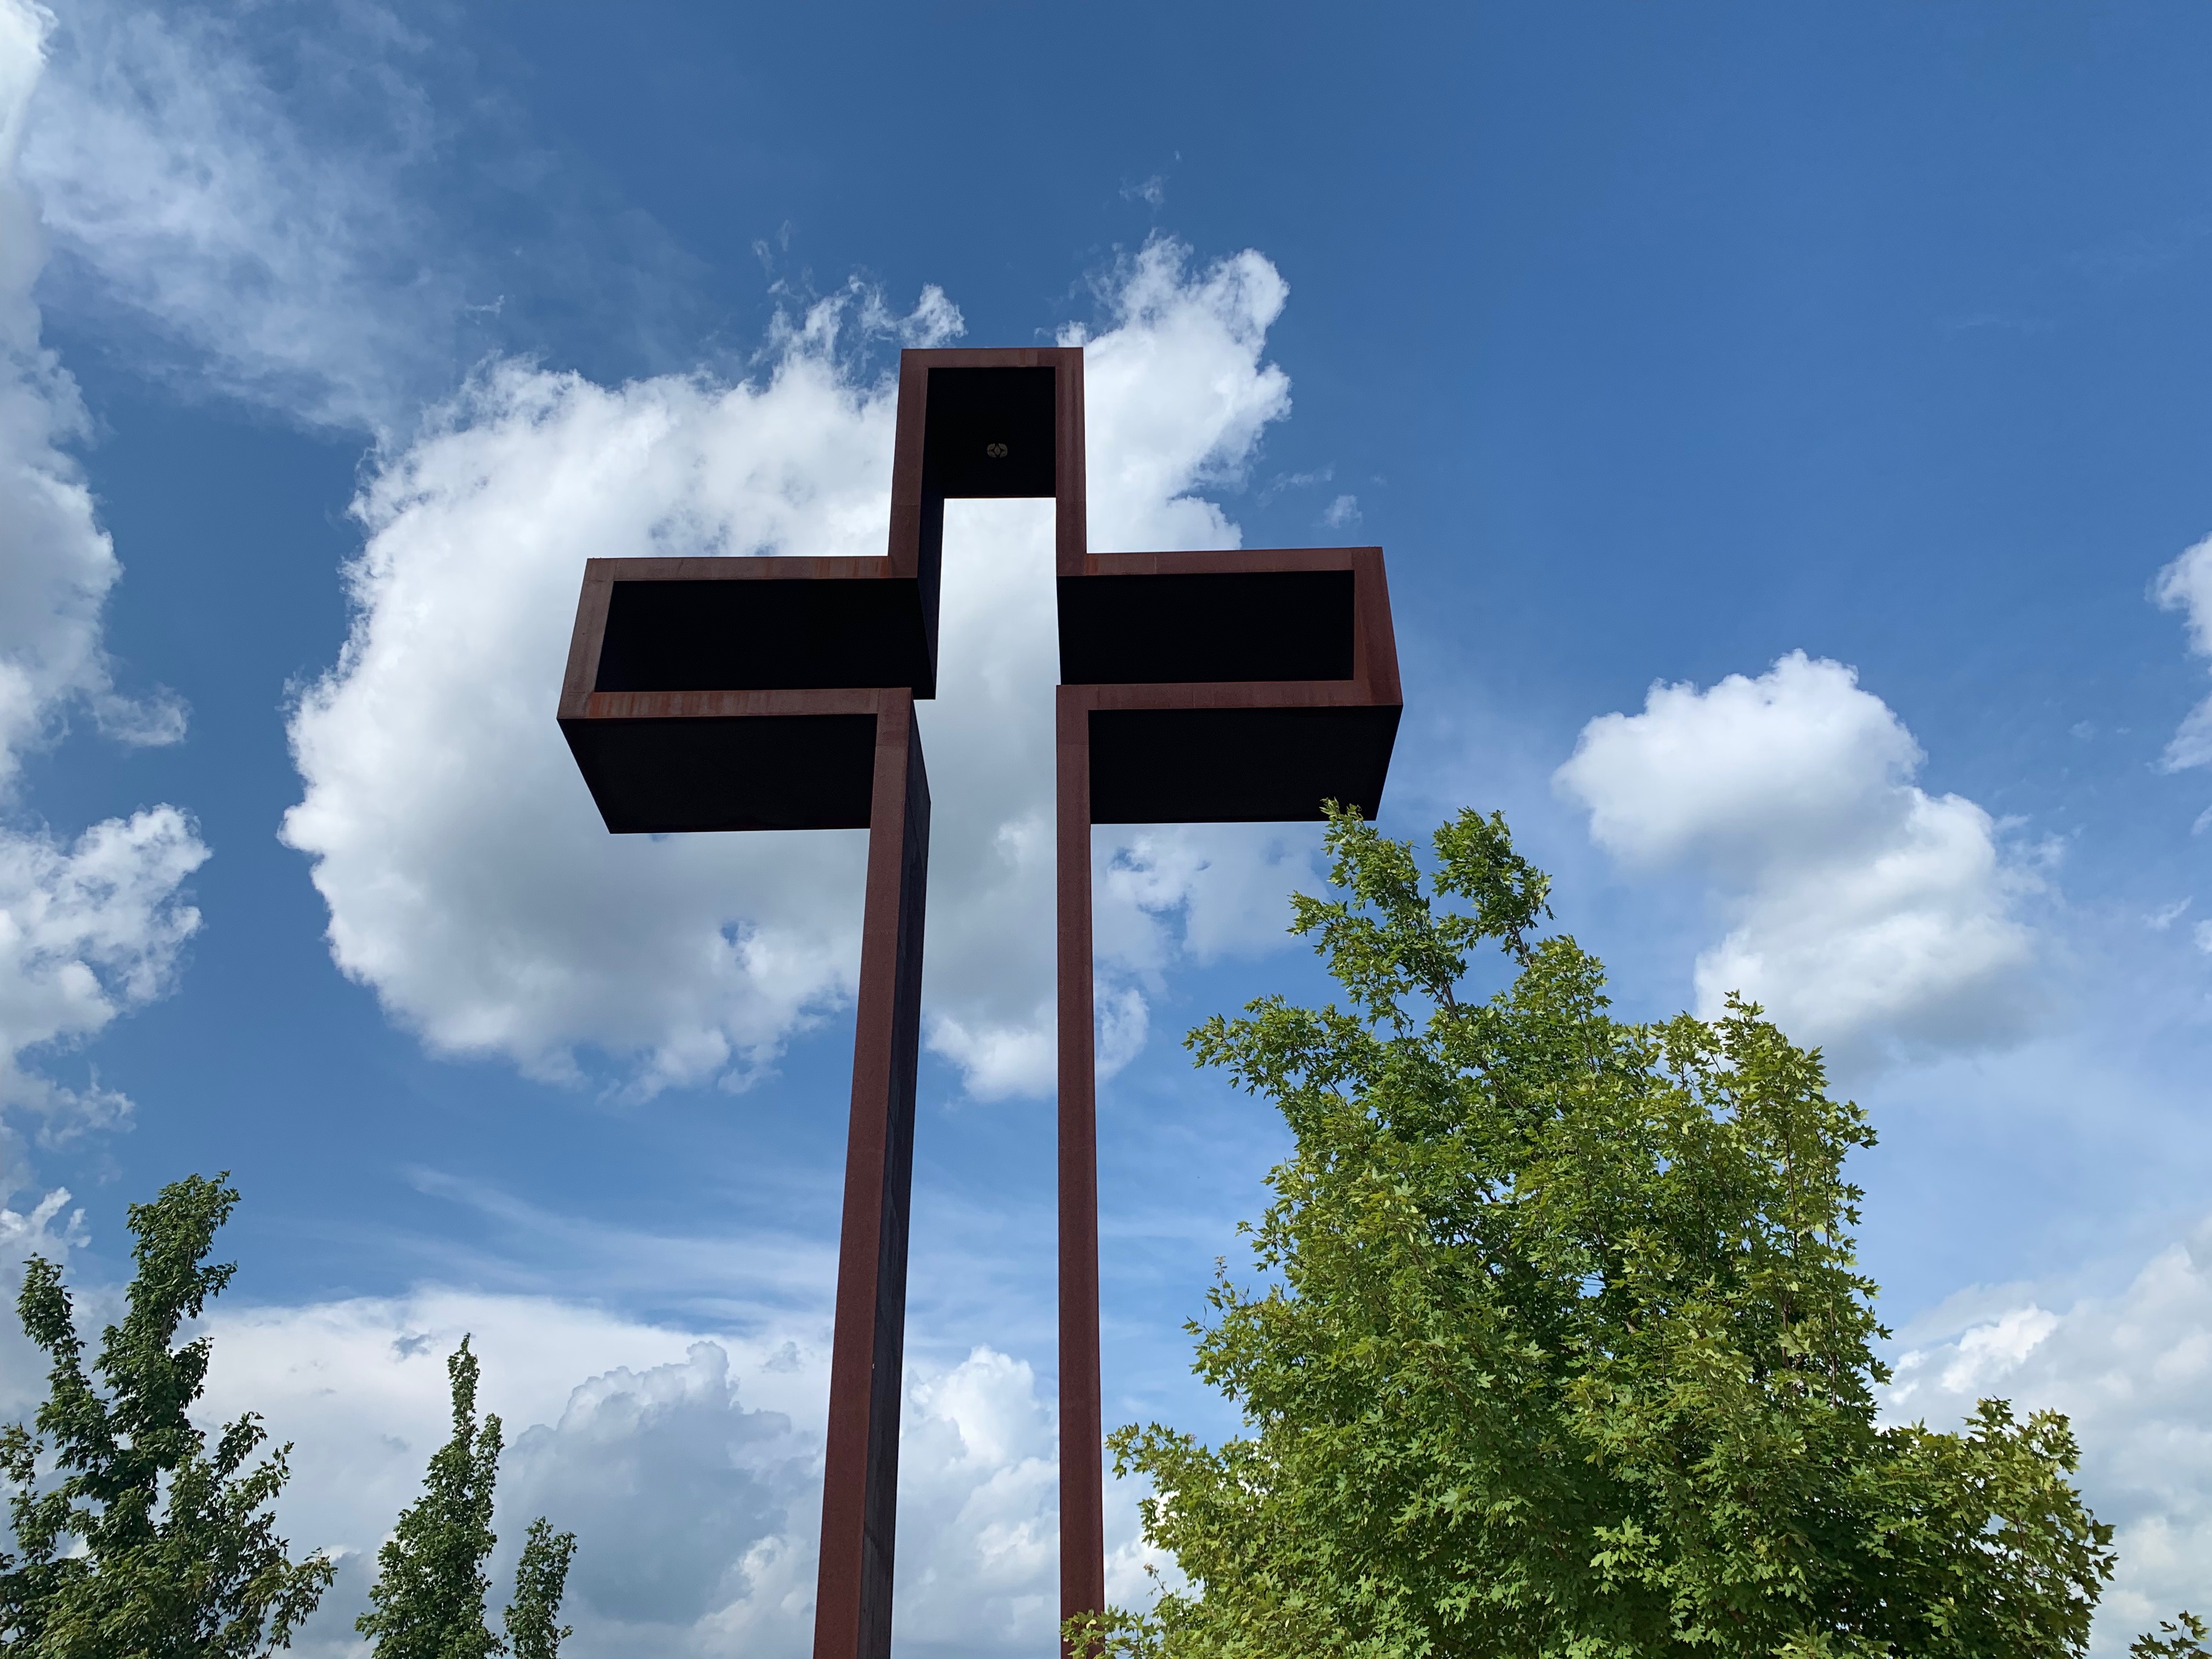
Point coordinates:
pixel 778 694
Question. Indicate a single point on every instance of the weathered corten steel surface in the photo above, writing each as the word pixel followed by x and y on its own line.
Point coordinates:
pixel 778 693
pixel 1210 719
pixel 955 408
pixel 1158 731
pixel 859 1488
pixel 678 725
pixel 685 711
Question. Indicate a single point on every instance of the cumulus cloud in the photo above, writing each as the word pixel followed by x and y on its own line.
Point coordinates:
pixel 688 1464
pixel 2185 586
pixel 684 1499
pixel 1226 886
pixel 2130 1370
pixel 91 928
pixel 57 565
pixel 469 879
pixel 1866 914
pixel 1177 394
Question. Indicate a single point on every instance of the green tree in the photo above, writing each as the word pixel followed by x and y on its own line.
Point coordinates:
pixel 1561 1349
pixel 539 1579
pixel 428 1601
pixel 148 1544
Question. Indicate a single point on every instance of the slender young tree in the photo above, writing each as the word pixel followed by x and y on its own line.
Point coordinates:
pixel 428 1601
pixel 532 1618
pixel 149 1544
pixel 1560 1349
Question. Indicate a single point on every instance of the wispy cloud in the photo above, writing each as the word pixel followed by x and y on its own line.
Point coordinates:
pixel 256 255
pixel 1288 480
pixel 263 203
pixel 2185 586
pixel 1998 322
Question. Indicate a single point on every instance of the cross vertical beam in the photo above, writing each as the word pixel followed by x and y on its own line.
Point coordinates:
pixel 1082 1428
pixel 859 1491
pixel 717 693
pixel 1245 685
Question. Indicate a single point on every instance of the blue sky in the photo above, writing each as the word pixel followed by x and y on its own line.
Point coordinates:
pixel 1787 430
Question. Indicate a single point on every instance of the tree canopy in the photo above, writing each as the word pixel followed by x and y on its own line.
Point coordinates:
pixel 149 1544
pixel 1559 1348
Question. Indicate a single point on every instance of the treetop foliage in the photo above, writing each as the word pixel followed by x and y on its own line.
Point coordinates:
pixel 533 1624
pixel 428 1601
pixel 2183 1638
pixel 149 1544
pixel 1562 1350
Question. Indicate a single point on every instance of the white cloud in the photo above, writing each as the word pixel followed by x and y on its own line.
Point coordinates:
pixel 1283 481
pixel 88 933
pixel 1985 1354
pixel 2185 586
pixel 979 1541
pixel 92 928
pixel 469 879
pixel 1341 513
pixel 1198 893
pixel 177 179
pixel 57 565
pixel 688 1463
pixel 51 1229
pixel 1866 913
pixel 683 1499
pixel 2130 1372
pixel 1177 394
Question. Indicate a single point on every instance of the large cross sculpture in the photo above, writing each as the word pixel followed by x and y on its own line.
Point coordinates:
pixel 778 694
